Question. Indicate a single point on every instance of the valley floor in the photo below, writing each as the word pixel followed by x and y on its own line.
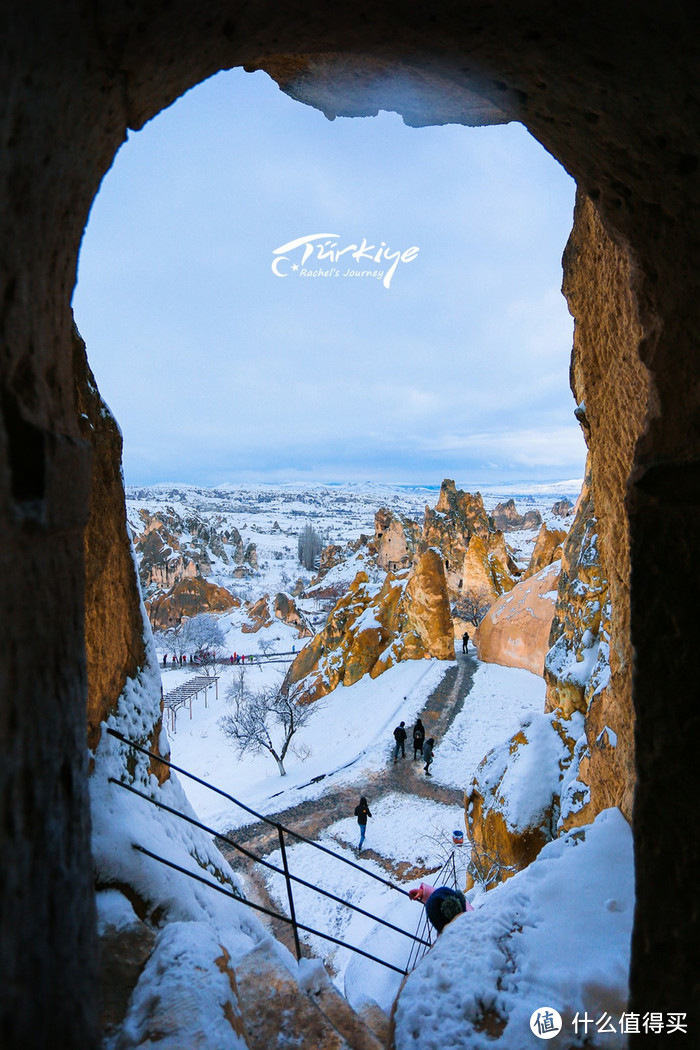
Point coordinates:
pixel 347 750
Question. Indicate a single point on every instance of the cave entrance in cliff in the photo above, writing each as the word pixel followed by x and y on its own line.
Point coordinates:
pixel 441 350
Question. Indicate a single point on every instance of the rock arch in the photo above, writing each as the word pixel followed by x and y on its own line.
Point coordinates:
pixel 615 99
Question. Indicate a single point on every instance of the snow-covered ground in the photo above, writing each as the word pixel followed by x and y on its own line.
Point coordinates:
pixel 349 739
pixel 556 935
pixel 349 735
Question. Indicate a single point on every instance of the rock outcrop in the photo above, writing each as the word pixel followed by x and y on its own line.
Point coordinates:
pixel 315 1015
pixel 114 626
pixel 578 667
pixel 507 518
pixel 259 615
pixel 515 631
pixel 475 558
pixel 563 508
pixel 546 550
pixel 513 802
pixel 611 389
pixel 612 99
pixel 170 548
pixel 374 626
pixel 396 540
pixel 187 598
pixel 286 610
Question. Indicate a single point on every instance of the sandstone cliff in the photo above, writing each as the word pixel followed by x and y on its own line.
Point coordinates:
pixel 611 389
pixel 373 626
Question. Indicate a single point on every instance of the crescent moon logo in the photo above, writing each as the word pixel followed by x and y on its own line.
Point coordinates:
pixel 275 266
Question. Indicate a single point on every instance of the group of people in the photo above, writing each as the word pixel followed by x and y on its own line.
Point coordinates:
pixel 198 658
pixel 421 746
pixel 176 660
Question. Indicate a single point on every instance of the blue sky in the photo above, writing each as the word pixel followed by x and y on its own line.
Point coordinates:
pixel 219 370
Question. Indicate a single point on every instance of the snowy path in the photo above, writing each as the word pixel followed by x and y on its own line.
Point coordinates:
pixel 312 817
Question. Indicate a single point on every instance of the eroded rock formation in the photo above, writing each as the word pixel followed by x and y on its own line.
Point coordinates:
pixel 563 508
pixel 188 598
pixel 396 540
pixel 513 803
pixel 477 563
pixel 546 550
pixel 515 631
pixel 373 626
pixel 612 98
pixel 170 547
pixel 507 518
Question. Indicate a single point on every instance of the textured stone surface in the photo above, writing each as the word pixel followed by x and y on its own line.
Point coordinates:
pixel 191 596
pixel 515 630
pixel 508 518
pixel 113 620
pixel 614 99
pixel 477 564
pixel 276 1012
pixel 512 805
pixel 373 626
pixel 563 508
pixel 611 386
pixel 124 952
pixel 396 540
pixel 286 610
pixel 546 550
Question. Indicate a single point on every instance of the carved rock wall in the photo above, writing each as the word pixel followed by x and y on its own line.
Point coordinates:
pixel 614 99
pixel 611 388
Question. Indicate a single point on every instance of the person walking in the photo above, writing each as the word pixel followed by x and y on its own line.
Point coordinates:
pixel 428 755
pixel 465 642
pixel 418 738
pixel 442 905
pixel 362 812
pixel 400 738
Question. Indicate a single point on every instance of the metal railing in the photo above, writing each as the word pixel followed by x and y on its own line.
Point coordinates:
pixel 423 929
pixel 417 939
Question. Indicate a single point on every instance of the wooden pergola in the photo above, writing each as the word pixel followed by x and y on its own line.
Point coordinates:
pixel 184 694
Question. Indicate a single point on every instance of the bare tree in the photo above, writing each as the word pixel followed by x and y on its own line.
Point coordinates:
pixel 309 547
pixel 267 646
pixel 487 867
pixel 195 634
pixel 471 607
pixel 264 720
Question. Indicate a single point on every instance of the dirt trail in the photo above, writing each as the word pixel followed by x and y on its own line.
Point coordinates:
pixel 312 817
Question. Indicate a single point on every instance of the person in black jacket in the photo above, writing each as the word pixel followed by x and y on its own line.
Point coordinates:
pixel 418 738
pixel 428 755
pixel 362 812
pixel 400 738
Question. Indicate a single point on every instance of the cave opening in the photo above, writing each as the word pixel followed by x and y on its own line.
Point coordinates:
pixel 606 101
pixel 223 363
